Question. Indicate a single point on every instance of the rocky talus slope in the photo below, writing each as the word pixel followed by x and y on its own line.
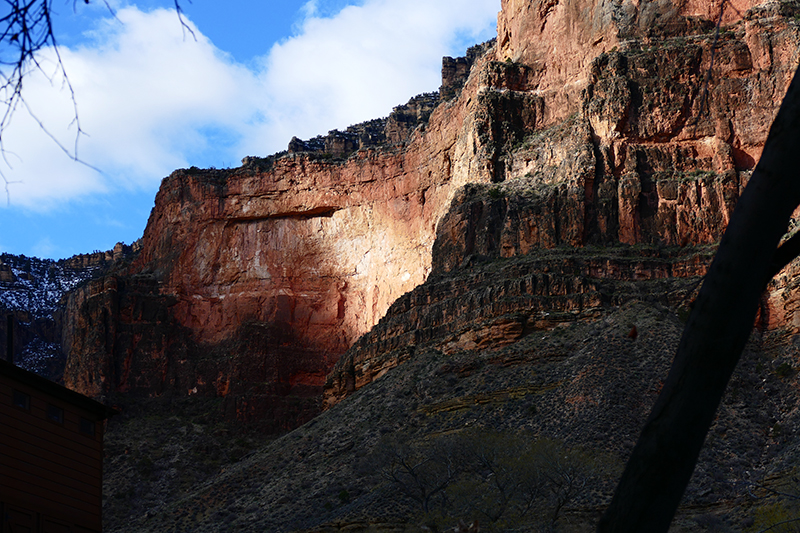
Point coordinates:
pixel 508 261
pixel 585 385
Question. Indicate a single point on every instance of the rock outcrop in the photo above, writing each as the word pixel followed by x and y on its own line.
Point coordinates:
pixel 650 153
pixel 307 248
pixel 593 124
pixel 31 304
pixel 488 304
pixel 396 129
pixel 456 70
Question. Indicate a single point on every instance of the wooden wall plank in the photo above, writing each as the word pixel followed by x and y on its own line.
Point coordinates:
pixel 19 520
pixel 50 452
pixel 59 472
pixel 17 430
pixel 79 521
pixel 58 399
pixel 29 454
pixel 51 526
pixel 69 430
pixel 47 490
pixel 51 467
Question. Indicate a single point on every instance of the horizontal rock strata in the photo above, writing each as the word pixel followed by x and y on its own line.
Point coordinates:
pixel 599 125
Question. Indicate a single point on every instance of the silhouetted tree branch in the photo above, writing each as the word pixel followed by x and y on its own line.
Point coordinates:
pixel 719 325
pixel 184 25
pixel 421 474
pixel 26 30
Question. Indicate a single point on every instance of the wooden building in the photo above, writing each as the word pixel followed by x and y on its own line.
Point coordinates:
pixel 51 456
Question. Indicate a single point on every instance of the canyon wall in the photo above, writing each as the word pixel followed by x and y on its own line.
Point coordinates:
pixel 309 248
pixel 586 124
pixel 31 304
pixel 642 146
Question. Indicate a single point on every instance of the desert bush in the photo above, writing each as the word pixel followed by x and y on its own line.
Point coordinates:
pixel 778 507
pixel 776 518
pixel 784 370
pixel 501 480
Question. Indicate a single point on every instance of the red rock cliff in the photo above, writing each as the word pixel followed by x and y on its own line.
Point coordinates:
pixel 307 248
pixel 593 120
pixel 648 125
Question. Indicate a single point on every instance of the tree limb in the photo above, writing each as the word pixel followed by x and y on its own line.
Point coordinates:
pixel 719 325
pixel 25 31
pixel 785 254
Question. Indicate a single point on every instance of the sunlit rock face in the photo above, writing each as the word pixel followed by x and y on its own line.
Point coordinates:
pixel 306 248
pixel 641 127
pixel 583 124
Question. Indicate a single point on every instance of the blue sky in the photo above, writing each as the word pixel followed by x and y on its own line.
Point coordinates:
pixel 151 98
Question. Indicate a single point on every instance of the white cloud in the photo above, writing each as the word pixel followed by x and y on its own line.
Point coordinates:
pixel 143 92
pixel 309 9
pixel 360 63
pixel 151 99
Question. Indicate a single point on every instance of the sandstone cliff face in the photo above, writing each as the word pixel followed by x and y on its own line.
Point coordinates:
pixel 586 124
pixel 308 247
pixel 634 147
pixel 552 222
pixel 486 305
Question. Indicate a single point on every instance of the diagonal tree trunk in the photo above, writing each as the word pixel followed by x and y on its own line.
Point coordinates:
pixel 719 325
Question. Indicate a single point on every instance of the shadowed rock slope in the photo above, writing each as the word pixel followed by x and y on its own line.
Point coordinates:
pixel 586 384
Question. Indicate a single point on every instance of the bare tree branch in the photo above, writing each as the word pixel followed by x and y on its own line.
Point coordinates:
pixel 783 523
pixel 184 25
pixel 26 31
